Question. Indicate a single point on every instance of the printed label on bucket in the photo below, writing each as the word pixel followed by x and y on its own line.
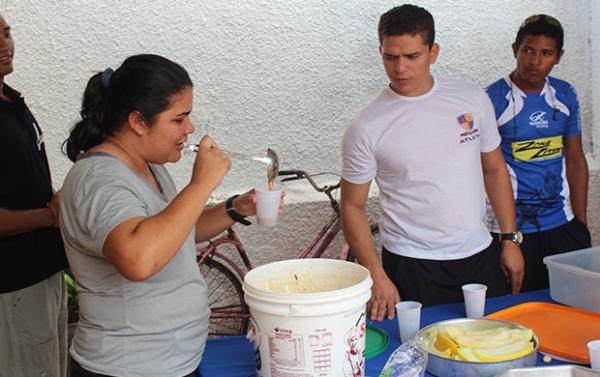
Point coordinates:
pixel 287 352
pixel 354 365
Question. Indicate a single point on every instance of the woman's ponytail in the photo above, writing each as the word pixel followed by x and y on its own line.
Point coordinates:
pixel 90 130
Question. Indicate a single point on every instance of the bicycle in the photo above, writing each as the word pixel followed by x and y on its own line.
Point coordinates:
pixel 224 276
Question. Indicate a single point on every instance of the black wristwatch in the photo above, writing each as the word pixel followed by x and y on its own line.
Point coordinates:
pixel 516 237
pixel 235 216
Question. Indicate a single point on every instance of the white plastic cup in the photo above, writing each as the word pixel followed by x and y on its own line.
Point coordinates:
pixel 594 348
pixel 409 319
pixel 474 295
pixel 267 204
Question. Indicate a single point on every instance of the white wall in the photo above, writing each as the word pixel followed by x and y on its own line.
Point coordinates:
pixel 268 73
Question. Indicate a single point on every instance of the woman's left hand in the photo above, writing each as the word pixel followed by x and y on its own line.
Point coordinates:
pixel 245 204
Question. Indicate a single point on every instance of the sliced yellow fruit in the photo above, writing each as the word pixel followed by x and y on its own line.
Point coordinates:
pixel 495 332
pixel 454 331
pixel 445 354
pixel 443 342
pixel 507 352
pixel 527 335
pixel 471 342
pixel 466 354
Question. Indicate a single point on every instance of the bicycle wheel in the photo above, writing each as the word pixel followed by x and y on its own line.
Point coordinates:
pixel 229 312
pixel 351 256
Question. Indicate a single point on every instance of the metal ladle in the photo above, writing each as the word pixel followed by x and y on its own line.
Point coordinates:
pixel 273 168
pixel 272 160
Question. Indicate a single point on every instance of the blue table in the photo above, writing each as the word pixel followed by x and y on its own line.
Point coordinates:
pixel 234 356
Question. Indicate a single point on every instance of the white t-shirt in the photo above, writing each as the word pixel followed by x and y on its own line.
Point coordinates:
pixel 425 155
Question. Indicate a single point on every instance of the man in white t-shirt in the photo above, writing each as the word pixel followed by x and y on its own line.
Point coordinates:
pixel 430 144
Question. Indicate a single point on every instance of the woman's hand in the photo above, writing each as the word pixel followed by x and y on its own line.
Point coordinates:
pixel 211 164
pixel 245 204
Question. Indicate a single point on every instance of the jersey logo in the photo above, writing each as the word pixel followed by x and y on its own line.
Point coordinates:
pixel 538 149
pixel 466 121
pixel 537 119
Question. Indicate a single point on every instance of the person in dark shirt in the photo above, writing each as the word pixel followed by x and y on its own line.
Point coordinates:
pixel 33 302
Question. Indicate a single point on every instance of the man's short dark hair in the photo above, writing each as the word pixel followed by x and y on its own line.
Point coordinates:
pixel 407 19
pixel 541 24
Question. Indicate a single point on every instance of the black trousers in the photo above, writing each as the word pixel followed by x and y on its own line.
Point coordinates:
pixel 76 370
pixel 573 235
pixel 434 282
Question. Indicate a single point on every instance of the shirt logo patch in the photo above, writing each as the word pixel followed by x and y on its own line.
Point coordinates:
pixel 537 119
pixel 466 121
pixel 538 149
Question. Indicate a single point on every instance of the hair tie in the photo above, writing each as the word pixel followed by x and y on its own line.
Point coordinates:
pixel 106 75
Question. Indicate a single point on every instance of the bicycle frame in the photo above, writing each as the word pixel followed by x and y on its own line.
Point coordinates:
pixel 330 230
pixel 229 237
pixel 323 239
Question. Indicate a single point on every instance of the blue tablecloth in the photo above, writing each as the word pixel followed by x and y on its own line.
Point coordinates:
pixel 234 356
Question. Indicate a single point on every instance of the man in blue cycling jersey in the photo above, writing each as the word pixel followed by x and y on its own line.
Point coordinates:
pixel 539 122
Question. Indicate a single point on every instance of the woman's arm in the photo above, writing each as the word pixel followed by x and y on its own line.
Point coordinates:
pixel 139 247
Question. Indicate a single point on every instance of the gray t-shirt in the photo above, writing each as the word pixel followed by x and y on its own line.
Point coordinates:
pixel 153 328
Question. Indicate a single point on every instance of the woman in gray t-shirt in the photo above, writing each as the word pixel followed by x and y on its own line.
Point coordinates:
pixel 129 236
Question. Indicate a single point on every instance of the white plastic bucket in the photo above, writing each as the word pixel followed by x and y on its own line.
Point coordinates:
pixel 308 317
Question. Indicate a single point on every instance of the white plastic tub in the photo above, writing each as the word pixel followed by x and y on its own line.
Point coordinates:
pixel 553 371
pixel 308 317
pixel 575 278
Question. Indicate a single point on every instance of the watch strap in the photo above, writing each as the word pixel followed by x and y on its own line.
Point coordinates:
pixel 233 214
pixel 515 237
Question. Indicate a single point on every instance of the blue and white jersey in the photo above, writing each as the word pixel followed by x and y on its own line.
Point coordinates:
pixel 533 127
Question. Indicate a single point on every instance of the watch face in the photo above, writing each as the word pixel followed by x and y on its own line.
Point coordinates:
pixel 518 237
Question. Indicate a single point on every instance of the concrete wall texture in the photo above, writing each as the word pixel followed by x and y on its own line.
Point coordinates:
pixel 288 75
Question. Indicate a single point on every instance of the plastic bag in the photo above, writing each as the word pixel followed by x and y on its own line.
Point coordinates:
pixel 408 360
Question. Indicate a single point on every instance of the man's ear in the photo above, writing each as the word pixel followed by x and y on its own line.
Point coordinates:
pixel 560 54
pixel 515 48
pixel 434 53
pixel 137 123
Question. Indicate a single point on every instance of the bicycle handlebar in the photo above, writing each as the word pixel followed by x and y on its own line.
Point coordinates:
pixel 301 174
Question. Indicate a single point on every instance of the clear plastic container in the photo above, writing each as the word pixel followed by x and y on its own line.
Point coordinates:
pixel 408 360
pixel 575 278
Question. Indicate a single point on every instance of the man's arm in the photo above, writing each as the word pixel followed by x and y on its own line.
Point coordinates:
pixel 358 235
pixel 13 222
pixel 499 191
pixel 577 176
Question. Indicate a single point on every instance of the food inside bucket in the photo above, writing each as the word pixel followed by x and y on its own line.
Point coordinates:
pixel 490 345
pixel 309 280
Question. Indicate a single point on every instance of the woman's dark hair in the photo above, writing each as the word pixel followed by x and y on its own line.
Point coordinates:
pixel 407 19
pixel 143 83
